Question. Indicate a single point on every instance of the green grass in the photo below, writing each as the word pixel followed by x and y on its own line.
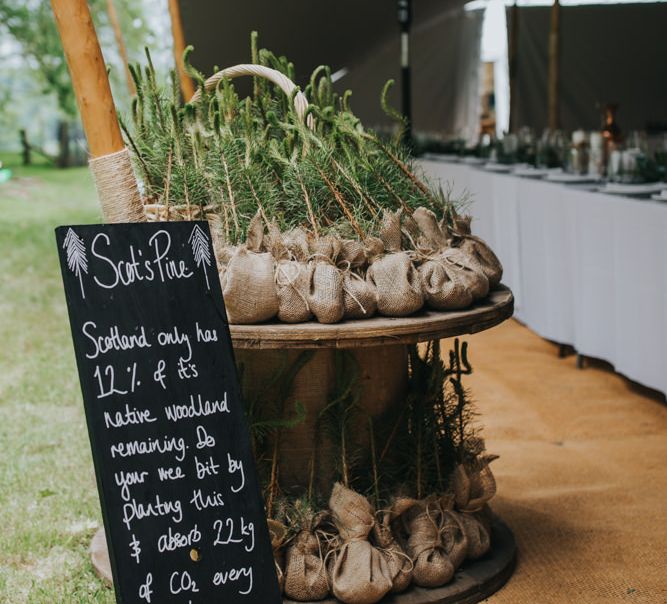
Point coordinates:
pixel 48 500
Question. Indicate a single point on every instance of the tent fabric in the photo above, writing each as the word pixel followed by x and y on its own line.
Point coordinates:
pixel 362 37
pixel 445 76
pixel 309 33
pixel 610 53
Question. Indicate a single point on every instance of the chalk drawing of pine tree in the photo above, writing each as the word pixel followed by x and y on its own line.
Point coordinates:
pixel 76 256
pixel 200 250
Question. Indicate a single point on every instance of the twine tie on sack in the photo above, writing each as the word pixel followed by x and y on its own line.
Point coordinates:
pixel 289 281
pixel 397 554
pixel 348 271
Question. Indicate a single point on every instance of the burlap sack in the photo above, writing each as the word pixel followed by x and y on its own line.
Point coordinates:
pixel 462 224
pixel 450 279
pixel 296 242
pixel 352 254
pixel 248 282
pixel 305 570
pixel 478 535
pixel 360 573
pixel 278 534
pixel 478 250
pixel 474 486
pixel 161 212
pixel 326 296
pixel 398 562
pixel 467 271
pixel 359 296
pixel 292 280
pixel 454 537
pixel 443 288
pixel 430 229
pixel 483 255
pixel 421 524
pixel 393 274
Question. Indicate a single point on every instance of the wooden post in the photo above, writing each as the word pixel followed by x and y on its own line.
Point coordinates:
pixel 187 87
pixel 513 65
pixel 89 76
pixel 110 163
pixel 554 67
pixel 120 42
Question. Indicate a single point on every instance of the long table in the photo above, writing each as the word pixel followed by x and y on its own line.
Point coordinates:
pixel 586 269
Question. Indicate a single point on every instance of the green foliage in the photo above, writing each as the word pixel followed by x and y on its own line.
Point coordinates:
pixel 339 422
pixel 31 24
pixel 266 411
pixel 233 156
pixel 436 431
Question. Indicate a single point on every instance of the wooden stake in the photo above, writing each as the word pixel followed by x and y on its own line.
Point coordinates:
pixel 120 42
pixel 187 87
pixel 89 76
pixel 554 67
pixel 513 64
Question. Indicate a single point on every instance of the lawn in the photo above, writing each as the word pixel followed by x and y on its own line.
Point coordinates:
pixel 48 501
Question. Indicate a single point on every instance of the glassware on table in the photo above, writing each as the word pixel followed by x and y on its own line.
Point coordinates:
pixel 578 163
pixel 596 165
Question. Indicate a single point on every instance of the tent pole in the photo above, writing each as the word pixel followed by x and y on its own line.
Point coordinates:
pixel 405 20
pixel 89 76
pixel 110 164
pixel 513 66
pixel 554 67
pixel 187 87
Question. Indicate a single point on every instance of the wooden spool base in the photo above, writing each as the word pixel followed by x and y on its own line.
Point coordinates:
pixel 473 582
pixel 380 349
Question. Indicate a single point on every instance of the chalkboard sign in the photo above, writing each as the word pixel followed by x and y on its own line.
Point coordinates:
pixel 182 508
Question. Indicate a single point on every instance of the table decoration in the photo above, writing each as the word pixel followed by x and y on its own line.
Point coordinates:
pixel 352 415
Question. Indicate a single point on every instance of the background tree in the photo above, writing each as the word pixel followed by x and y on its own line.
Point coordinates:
pixel 30 23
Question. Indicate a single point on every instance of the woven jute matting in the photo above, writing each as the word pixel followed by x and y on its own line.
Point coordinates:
pixel 582 474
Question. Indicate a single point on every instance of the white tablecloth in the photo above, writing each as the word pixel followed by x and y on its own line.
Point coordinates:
pixel 586 269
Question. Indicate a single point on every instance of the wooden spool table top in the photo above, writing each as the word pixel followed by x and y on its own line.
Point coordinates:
pixel 421 327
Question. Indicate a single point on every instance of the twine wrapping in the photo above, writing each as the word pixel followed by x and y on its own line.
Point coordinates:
pixel 117 187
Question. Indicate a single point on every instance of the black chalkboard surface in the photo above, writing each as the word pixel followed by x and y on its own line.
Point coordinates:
pixel 182 508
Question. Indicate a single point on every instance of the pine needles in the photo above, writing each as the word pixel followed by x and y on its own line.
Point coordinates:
pixel 437 429
pixel 232 156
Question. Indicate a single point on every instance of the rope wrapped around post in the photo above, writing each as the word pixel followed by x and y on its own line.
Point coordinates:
pixel 117 187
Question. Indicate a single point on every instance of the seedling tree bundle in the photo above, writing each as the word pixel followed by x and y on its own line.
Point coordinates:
pixel 313 216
